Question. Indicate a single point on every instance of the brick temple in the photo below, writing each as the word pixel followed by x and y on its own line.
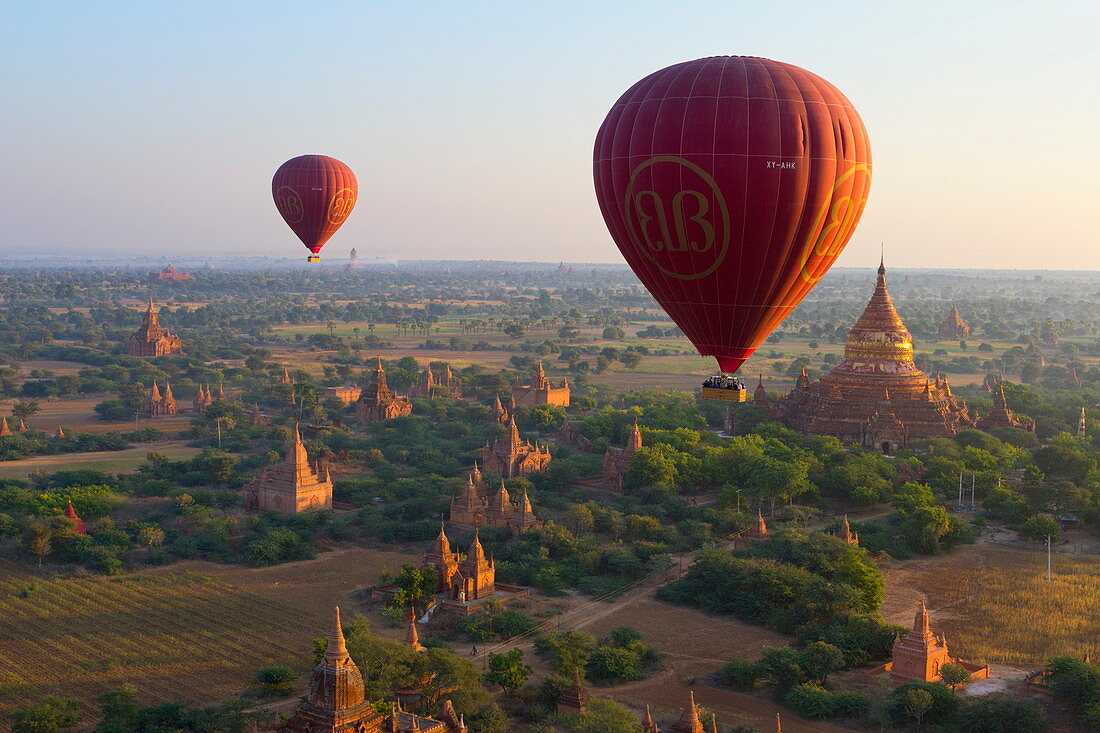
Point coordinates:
pixel 542 391
pixel 291 486
pixel 953 327
pixel 616 461
pixel 151 339
pixel 379 402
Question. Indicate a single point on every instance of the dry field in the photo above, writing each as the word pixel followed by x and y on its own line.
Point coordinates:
pixel 118 461
pixel 178 637
pixel 695 645
pixel 312 587
pixel 995 604
pixel 78 415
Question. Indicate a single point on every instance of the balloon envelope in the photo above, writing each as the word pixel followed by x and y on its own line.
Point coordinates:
pixel 315 194
pixel 730 185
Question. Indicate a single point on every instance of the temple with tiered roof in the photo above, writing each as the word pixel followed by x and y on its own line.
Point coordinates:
pixel 616 461
pixel 379 402
pixel 542 391
pixel 151 339
pixel 876 396
pixel 290 486
pixel 510 456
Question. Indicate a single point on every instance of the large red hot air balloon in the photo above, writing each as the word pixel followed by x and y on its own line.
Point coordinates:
pixel 315 194
pixel 731 184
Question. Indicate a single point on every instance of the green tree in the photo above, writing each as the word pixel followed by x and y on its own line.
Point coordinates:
pixel 46 716
pixel 917 704
pixel 579 519
pixel 24 410
pixel 1041 526
pixel 118 710
pixel 275 680
pixel 953 675
pixel 651 467
pixel 822 658
pixel 415 585
pixel 508 670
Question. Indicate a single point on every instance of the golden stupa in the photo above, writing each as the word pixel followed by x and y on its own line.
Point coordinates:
pixel 876 396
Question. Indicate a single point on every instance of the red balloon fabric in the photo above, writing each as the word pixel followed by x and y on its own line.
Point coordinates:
pixel 315 194
pixel 731 184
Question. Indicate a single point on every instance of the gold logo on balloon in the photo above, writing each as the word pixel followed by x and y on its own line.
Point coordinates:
pixel 289 204
pixel 688 231
pixel 342 203
pixel 834 223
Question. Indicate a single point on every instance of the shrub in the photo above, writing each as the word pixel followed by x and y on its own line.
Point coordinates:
pixel 740 673
pixel 811 701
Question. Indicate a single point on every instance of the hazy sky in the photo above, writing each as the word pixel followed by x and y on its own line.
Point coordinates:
pixel 155 127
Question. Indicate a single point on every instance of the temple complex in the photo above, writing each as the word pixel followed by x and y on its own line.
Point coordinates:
pixel 542 391
pixel 999 416
pixel 284 378
pixel 476 507
pixel 954 327
pixel 169 274
pixel 463 580
pixel 151 339
pixel 79 526
pixel 5 431
pixel 918 654
pixel 616 461
pixel 876 396
pixel 1082 425
pixel 160 405
pixel 378 401
pixel 291 486
pixel 445 386
pixel 336 701
pixel 510 456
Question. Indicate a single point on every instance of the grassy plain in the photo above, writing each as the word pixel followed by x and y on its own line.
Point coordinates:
pixel 180 637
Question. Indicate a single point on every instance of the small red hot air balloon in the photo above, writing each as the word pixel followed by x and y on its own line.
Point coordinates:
pixel 315 195
pixel 731 184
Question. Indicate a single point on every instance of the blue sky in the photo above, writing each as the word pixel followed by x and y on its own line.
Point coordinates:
pixel 154 127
